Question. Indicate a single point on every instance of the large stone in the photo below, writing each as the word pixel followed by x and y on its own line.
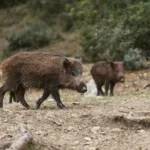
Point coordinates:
pixel 91 88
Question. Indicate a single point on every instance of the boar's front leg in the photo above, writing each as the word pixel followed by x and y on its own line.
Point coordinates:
pixel 41 100
pixel 99 90
pixel 56 96
pixel 3 90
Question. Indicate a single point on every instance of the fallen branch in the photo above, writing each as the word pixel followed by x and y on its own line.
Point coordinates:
pixel 21 142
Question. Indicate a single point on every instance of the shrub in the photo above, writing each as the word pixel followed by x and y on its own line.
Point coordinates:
pixel 112 29
pixel 103 43
pixel 47 10
pixel 10 3
pixel 32 36
pixel 66 21
pixel 135 60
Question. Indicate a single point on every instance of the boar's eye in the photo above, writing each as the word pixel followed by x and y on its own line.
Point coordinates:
pixel 74 73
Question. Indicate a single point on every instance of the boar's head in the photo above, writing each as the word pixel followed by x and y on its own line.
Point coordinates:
pixel 72 77
pixel 118 68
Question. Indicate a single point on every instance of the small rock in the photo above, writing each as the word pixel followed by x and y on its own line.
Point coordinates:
pixel 92 148
pixel 144 75
pixel 39 132
pixel 87 138
pixel 5 121
pixel 141 131
pixel 50 99
pixel 74 115
pixel 76 103
pixel 103 133
pixel 116 130
pixel 91 88
pixel 45 134
pixel 70 128
pixel 132 108
pixel 100 97
pixel 76 142
pixel 95 129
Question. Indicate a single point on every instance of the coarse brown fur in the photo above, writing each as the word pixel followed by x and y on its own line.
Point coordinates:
pixel 40 70
pixel 108 74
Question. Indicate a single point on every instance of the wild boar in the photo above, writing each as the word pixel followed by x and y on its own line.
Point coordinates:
pixel 40 70
pixel 108 74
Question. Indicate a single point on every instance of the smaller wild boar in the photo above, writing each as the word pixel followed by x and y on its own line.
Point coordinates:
pixel 40 70
pixel 108 74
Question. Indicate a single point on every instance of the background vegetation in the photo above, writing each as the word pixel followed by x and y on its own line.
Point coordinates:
pixel 116 30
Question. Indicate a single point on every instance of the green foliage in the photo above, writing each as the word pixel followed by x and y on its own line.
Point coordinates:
pixel 111 29
pixel 103 43
pixel 140 25
pixel 135 60
pixel 32 36
pixel 66 22
pixel 10 3
pixel 31 146
pixel 47 10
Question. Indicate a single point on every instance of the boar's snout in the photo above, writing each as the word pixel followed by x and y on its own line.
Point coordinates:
pixel 122 79
pixel 82 88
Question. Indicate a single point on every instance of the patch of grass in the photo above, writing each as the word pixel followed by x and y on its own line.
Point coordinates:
pixel 32 107
pixel 11 16
pixel 6 55
pixel 31 146
pixel 32 37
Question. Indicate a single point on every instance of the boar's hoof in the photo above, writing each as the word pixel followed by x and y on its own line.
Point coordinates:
pixel 111 94
pixel 37 105
pixel 28 107
pixel 61 106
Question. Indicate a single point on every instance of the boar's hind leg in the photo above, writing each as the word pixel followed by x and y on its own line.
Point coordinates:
pixel 56 96
pixel 3 90
pixel 41 100
pixel 106 88
pixel 12 97
pixel 20 96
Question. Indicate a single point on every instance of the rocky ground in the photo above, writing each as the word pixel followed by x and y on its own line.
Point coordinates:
pixel 121 122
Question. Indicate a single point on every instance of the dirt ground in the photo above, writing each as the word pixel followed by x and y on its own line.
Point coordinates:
pixel 89 123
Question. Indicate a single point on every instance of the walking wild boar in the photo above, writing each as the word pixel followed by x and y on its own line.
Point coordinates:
pixel 107 74
pixel 40 70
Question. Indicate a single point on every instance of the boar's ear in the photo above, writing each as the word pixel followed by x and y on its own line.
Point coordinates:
pixel 79 58
pixel 66 63
pixel 112 64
